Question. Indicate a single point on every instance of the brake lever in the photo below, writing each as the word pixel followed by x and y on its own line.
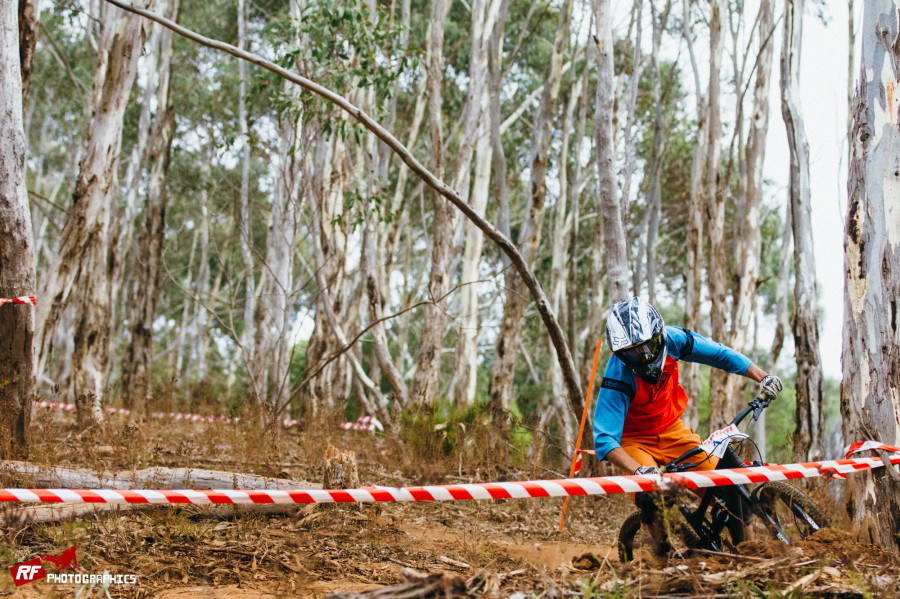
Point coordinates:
pixel 759 404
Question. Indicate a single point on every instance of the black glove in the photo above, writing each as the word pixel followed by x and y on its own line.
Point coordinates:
pixel 771 386
pixel 646 470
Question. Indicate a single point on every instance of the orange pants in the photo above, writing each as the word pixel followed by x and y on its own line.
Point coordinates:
pixel 654 450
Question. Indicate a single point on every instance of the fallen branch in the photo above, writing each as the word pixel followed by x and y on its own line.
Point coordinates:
pixel 453 562
pixel 557 337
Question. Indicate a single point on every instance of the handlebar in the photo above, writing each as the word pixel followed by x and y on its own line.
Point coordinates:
pixel 756 407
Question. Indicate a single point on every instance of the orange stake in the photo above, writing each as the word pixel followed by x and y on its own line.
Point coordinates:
pixel 587 403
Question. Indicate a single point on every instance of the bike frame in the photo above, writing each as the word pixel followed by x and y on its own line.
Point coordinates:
pixel 728 507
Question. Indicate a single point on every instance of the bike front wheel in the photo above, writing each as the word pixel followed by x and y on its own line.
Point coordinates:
pixel 636 541
pixel 785 513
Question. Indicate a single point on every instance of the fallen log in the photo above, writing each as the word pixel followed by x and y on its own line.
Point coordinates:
pixel 74 511
pixel 59 477
pixel 32 475
pixel 66 511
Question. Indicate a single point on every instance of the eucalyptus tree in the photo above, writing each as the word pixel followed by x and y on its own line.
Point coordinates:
pixel 609 211
pixel 660 22
pixel 695 220
pixel 810 415
pixel 17 277
pixel 748 241
pixel 137 362
pixel 871 381
pixel 715 206
pixel 80 271
pixel 508 337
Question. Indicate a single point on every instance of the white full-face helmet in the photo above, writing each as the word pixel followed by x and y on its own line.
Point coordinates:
pixel 637 335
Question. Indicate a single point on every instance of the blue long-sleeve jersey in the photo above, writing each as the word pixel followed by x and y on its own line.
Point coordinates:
pixel 627 405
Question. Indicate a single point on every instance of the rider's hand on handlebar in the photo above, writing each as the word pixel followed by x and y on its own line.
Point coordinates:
pixel 646 470
pixel 770 386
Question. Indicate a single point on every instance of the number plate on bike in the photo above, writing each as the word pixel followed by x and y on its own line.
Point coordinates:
pixel 717 442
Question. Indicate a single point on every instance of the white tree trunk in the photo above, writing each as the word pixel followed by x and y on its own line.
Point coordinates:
pixel 80 270
pixel 693 284
pixel 17 277
pixel 245 228
pixel 610 213
pixel 508 337
pixel 328 177
pixel 562 226
pixel 466 359
pixel 718 402
pixel 136 365
pixel 633 86
pixel 870 390
pixel 748 241
pixel 204 303
pixel 809 429
pixel 125 218
pixel 466 365
pixel 658 151
pixel 428 360
pixel 272 349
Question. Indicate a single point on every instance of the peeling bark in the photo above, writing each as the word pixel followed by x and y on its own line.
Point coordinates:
pixel 870 390
pixel 17 275
pixel 81 272
pixel 29 14
pixel 466 362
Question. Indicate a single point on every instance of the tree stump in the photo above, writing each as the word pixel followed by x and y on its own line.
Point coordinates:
pixel 341 472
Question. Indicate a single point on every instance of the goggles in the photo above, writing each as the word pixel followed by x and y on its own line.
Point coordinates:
pixel 642 353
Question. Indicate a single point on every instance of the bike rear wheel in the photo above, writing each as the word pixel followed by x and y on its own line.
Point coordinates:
pixel 785 513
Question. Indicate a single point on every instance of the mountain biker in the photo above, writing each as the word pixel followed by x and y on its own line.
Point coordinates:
pixel 637 420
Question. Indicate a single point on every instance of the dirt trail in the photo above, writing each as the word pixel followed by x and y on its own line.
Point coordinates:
pixel 550 554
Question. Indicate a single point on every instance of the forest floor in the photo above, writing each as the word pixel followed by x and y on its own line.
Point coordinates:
pixel 496 548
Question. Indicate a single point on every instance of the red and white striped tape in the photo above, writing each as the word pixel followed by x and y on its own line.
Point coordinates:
pixel 364 423
pixel 25 299
pixel 53 405
pixel 503 490
pixel 868 446
pixel 68 407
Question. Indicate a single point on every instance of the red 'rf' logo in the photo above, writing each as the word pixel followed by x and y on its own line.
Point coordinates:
pixel 28 571
pixel 63 561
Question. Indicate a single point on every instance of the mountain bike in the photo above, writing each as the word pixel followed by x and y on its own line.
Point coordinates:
pixel 771 510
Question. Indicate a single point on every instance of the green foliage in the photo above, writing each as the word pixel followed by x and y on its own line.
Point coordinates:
pixel 342 47
pixel 357 208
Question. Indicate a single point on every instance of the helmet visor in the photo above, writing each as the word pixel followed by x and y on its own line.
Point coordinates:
pixel 642 353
